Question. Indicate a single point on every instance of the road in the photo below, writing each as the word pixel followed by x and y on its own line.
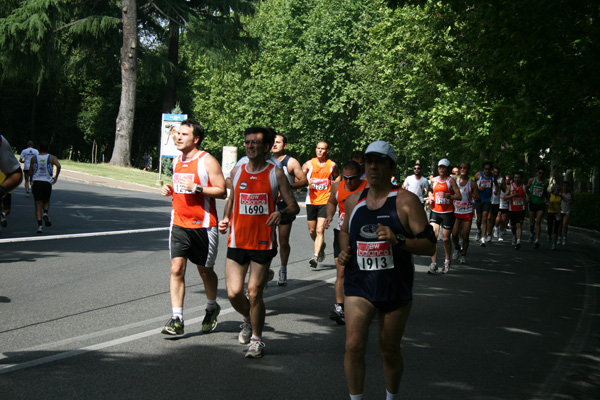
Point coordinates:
pixel 81 308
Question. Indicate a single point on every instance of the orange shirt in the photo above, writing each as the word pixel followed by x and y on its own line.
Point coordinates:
pixel 442 204
pixel 341 195
pixel 255 197
pixel 319 190
pixel 517 203
pixel 192 210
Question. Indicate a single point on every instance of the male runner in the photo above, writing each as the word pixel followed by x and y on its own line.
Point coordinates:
pixel 485 183
pixel 251 216
pixel 417 183
pixel 26 156
pixel 537 196
pixel 463 212
pixel 197 182
pixel 43 177
pixel 441 194
pixel 321 173
pixel 339 192
pixel 515 194
pixel 384 227
pixel 297 179
pixel 12 175
pixel 495 208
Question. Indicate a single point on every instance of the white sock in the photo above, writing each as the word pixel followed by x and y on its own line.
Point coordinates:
pixel 178 312
pixel 283 268
pixel 254 337
pixel 356 396
pixel 389 396
pixel 211 305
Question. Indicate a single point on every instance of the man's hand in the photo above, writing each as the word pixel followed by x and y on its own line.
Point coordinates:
pixel 167 190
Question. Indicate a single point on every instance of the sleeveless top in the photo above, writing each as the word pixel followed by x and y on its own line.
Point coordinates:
pixel 442 204
pixel 464 205
pixel 517 203
pixel 564 206
pixel 383 272
pixel 341 195
pixel 290 176
pixel 319 190
pixel 42 168
pixel 255 197
pixel 537 191
pixel 488 184
pixel 554 204
pixel 497 192
pixel 192 210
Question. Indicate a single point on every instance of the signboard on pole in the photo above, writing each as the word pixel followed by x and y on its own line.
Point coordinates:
pixel 168 129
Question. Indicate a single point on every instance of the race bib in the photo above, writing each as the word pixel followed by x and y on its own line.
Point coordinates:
pixel 254 203
pixel 462 207
pixel 486 184
pixel 538 192
pixel 518 201
pixel 177 187
pixel 320 184
pixel 440 198
pixel 374 256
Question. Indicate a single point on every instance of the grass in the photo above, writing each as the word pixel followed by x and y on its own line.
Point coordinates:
pixel 127 174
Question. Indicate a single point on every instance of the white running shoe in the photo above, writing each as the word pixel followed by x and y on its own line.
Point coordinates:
pixel 282 277
pixel 255 349
pixel 245 333
pixel 313 261
pixel 500 238
pixel 564 242
pixel 446 267
pixel 478 235
pixel 433 269
pixel 496 232
pixel 482 242
pixel 488 238
pixel 456 254
pixel 514 241
pixel 463 259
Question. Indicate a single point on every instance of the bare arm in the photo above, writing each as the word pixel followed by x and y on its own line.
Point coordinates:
pixel 336 173
pixel 331 204
pixel 224 223
pixel 475 191
pixel 285 190
pixel 456 195
pixel 54 161
pixel 344 237
pixel 298 172
pixel 12 181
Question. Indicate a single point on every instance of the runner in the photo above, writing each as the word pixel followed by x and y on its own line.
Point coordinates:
pixel 443 190
pixel 566 207
pixel 197 182
pixel 293 171
pixel 463 212
pixel 502 218
pixel 321 173
pixel 485 184
pixel 390 222
pixel 537 196
pixel 554 215
pixel 515 194
pixel 10 167
pixel 495 208
pixel 251 217
pixel 43 177
pixel 339 192
pixel 417 183
pixel 359 157
pixel 26 155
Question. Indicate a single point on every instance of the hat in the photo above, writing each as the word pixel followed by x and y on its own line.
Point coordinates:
pixel 444 161
pixel 381 148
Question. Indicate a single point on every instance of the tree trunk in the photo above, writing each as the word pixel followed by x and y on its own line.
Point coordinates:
pixel 122 151
pixel 170 93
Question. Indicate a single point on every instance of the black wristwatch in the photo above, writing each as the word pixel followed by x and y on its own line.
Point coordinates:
pixel 401 239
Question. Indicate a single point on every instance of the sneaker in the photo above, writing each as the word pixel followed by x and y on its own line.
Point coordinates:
pixel 433 269
pixel 3 222
pixel 173 327
pixel 500 238
pixel 564 241
pixel 337 314
pixel 446 267
pixel 245 333
pixel 321 255
pixel 488 238
pixel 313 262
pixel 26 194
pixel 282 278
pixel 536 245
pixel 496 232
pixel 463 259
pixel 255 350
pixel 47 220
pixel 456 254
pixel 478 235
pixel 518 246
pixel 209 323
pixel 514 240
pixel 482 244
pixel 39 230
pixel 271 275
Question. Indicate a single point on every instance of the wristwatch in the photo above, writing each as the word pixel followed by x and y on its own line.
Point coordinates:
pixel 400 239
pixel 198 188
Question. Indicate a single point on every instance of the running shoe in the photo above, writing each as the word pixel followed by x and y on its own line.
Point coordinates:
pixel 209 323
pixel 433 269
pixel 496 232
pixel 3 222
pixel 446 267
pixel 47 220
pixel 553 246
pixel 337 314
pixel 478 235
pixel 564 241
pixel 271 275
pixel 26 194
pixel 173 327
pixel 456 254
pixel 321 255
pixel 463 259
pixel 245 333
pixel 482 243
pixel 313 262
pixel 514 240
pixel 39 230
pixel 255 350
pixel 500 238
pixel 282 277
pixel 518 245
pixel 488 238
pixel 536 244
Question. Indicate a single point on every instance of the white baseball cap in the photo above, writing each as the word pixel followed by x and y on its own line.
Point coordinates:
pixel 381 148
pixel 444 161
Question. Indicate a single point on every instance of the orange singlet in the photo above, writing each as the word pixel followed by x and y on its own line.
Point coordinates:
pixel 341 195
pixel 319 190
pixel 441 203
pixel 254 201
pixel 517 203
pixel 192 210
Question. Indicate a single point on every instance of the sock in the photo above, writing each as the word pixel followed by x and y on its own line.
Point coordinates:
pixel 356 396
pixel 254 337
pixel 211 305
pixel 178 312
pixel 283 268
pixel 39 222
pixel 247 320
pixel 518 240
pixel 389 396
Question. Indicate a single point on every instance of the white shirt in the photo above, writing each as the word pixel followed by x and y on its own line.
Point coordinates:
pixel 417 186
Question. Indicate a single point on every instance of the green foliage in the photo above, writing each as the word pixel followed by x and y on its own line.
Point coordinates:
pixel 586 211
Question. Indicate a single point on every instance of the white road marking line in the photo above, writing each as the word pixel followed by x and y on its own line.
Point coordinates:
pixel 80 235
pixel 7 368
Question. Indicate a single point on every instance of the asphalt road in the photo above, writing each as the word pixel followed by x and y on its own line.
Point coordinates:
pixel 81 308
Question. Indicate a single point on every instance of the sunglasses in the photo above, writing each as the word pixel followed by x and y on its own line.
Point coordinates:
pixel 350 177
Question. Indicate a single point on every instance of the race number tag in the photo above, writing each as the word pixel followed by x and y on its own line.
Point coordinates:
pixel 254 203
pixel 374 256
pixel 320 184
pixel 462 207
pixel 518 201
pixel 177 187
pixel 486 184
pixel 440 198
pixel 538 192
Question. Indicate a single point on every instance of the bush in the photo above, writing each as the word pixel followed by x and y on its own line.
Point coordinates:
pixel 586 211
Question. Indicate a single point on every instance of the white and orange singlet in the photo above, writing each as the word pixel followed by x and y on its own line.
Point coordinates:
pixel 192 210
pixel 320 188
pixel 254 202
pixel 442 204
